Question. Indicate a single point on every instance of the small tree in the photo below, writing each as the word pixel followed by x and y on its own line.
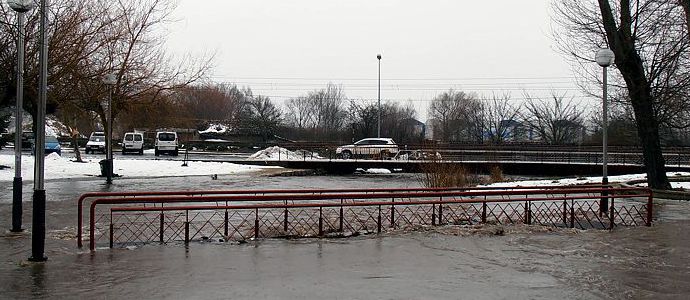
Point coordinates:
pixel 556 121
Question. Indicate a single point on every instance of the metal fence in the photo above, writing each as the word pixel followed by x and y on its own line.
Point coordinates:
pixel 120 222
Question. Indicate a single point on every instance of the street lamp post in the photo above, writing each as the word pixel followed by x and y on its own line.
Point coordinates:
pixel 110 80
pixel 38 223
pixel 21 7
pixel 378 56
pixel 604 58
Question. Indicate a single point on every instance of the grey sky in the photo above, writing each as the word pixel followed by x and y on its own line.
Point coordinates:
pixel 286 48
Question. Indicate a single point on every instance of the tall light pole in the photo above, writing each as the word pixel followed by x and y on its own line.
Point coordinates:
pixel 109 80
pixel 38 223
pixel 378 56
pixel 604 58
pixel 21 7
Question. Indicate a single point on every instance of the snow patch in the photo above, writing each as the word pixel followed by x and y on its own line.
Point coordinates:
pixel 215 128
pixel 279 153
pixel 375 171
pixel 581 180
pixel 63 167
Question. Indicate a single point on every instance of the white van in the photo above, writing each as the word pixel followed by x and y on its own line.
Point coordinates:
pixel 166 141
pixel 133 142
pixel 96 142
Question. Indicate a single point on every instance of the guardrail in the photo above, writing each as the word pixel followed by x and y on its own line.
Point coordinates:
pixel 134 197
pixel 240 217
pixel 490 154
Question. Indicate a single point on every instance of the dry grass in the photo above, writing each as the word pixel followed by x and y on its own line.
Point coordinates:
pixel 435 174
pixel 496 174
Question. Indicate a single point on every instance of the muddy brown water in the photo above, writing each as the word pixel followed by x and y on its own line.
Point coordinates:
pixel 445 263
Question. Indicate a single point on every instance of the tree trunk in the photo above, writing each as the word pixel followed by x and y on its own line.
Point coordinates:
pixel 648 131
pixel 631 66
pixel 686 7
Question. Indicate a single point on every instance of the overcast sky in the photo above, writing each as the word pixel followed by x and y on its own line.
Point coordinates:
pixel 286 48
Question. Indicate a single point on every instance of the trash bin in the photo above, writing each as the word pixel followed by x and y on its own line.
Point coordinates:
pixel 105 167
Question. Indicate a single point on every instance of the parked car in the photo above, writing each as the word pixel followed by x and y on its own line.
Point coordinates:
pixel 369 147
pixel 52 146
pixel 96 142
pixel 166 142
pixel 133 142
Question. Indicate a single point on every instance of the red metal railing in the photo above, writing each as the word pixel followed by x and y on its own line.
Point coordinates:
pixel 242 217
pixel 141 194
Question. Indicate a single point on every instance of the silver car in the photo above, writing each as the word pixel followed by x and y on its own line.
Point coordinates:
pixel 369 147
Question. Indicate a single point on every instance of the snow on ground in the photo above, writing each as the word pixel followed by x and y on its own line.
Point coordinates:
pixel 375 171
pixel 586 180
pixel 215 128
pixel 63 167
pixel 278 153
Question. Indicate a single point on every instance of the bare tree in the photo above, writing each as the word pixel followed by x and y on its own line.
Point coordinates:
pixel 500 119
pixel 650 40
pixel 300 113
pixel 454 115
pixel 264 116
pixel 91 38
pixel 556 121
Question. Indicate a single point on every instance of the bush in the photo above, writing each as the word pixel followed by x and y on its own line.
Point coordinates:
pixel 496 174
pixel 435 174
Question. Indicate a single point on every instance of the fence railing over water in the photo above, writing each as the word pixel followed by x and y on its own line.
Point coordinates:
pixel 121 221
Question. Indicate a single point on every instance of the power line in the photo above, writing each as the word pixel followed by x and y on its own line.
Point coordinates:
pixel 387 79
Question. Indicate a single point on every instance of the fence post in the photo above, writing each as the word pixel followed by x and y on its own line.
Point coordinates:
pixel 379 221
pixel 320 221
pixel 433 214
pixel 393 213
pixel 440 211
pixel 285 219
pixel 611 216
pixel 256 223
pixel 111 229
pixel 225 225
pixel 484 212
pixel 650 205
pixel 186 227
pixel 572 214
pixel 565 213
pixel 527 214
pixel 161 228
pixel 342 217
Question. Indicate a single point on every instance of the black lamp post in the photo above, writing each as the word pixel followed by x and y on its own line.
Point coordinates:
pixel 378 134
pixel 38 229
pixel 109 80
pixel 21 7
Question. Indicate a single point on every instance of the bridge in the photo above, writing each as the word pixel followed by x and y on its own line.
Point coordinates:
pixel 514 162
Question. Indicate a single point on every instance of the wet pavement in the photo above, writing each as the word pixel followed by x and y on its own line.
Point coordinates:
pixel 524 263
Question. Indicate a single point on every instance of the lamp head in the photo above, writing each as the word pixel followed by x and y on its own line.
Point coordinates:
pixel 604 57
pixel 21 6
pixel 378 56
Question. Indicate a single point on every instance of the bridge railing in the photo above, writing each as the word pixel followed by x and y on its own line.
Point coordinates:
pixel 491 154
pixel 122 222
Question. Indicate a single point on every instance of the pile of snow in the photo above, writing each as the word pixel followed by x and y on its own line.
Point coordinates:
pixel 278 153
pixel 62 167
pixel 374 171
pixel 589 180
pixel 53 126
pixel 216 128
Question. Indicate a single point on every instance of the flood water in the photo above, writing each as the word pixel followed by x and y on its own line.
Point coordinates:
pixel 524 263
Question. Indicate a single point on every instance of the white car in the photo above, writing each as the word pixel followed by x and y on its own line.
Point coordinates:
pixel 133 142
pixel 369 147
pixel 96 142
pixel 166 142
